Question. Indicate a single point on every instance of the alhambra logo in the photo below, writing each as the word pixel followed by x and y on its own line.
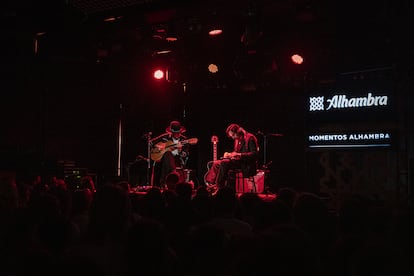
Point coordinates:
pixel 341 102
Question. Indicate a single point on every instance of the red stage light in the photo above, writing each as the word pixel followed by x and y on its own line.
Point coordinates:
pixel 158 74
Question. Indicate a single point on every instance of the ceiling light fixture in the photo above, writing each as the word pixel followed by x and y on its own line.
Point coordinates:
pixel 215 25
pixel 215 32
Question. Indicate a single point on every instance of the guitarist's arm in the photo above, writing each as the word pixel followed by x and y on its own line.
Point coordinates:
pixel 232 155
pixel 251 153
pixel 161 138
pixel 252 148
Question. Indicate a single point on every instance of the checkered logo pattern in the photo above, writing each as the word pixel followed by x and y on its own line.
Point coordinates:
pixel 316 103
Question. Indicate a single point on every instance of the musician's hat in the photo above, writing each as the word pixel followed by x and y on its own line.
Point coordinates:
pixel 175 127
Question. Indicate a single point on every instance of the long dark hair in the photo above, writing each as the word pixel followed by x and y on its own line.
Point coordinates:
pixel 235 128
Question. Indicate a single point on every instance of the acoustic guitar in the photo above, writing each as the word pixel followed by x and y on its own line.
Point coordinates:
pixel 157 152
pixel 214 141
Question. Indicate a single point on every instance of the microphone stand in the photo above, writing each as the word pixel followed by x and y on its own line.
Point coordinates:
pixel 264 150
pixel 265 166
pixel 149 176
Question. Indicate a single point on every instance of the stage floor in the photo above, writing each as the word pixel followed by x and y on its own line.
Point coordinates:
pixel 142 190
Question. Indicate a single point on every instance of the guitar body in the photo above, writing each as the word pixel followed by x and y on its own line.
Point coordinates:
pixel 209 164
pixel 157 152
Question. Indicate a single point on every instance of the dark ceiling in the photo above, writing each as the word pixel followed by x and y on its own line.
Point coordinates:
pixel 332 36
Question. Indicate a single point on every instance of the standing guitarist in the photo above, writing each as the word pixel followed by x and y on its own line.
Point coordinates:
pixel 168 150
pixel 244 157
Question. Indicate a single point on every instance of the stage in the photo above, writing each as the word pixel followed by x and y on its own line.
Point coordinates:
pixel 143 190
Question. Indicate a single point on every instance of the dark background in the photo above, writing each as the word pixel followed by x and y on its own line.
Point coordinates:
pixel 65 100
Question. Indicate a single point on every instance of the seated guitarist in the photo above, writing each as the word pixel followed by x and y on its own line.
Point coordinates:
pixel 175 156
pixel 244 156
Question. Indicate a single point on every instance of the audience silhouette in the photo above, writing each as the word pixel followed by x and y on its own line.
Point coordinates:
pixel 111 230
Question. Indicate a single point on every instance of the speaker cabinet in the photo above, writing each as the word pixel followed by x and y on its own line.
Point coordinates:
pixel 254 184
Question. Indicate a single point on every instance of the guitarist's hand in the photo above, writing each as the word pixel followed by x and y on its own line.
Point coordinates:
pixel 160 146
pixel 232 155
pixel 179 146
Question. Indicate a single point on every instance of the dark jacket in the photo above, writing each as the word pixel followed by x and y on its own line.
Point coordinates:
pixel 249 148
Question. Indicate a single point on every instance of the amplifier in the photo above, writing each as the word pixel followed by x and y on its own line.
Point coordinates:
pixel 246 185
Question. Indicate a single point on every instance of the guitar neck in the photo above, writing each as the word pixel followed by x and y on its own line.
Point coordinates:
pixel 183 142
pixel 215 152
pixel 214 140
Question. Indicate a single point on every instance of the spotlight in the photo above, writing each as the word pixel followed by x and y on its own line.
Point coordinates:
pixel 164 32
pixel 158 74
pixel 214 32
pixel 212 68
pixel 162 52
pixel 171 38
pixel 215 25
pixel 297 59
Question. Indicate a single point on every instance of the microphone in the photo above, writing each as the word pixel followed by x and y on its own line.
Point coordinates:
pixel 147 135
pixel 266 166
pixel 140 157
pixel 259 132
pixel 276 134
